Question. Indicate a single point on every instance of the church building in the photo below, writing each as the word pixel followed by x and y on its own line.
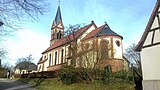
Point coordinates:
pixel 149 48
pixel 88 47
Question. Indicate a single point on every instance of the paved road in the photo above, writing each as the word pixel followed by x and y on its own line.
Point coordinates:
pixel 14 85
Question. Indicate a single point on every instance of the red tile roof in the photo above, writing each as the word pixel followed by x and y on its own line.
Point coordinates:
pixel 93 32
pixel 68 38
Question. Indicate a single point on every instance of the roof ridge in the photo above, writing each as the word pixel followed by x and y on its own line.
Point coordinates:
pixel 62 41
pixel 93 32
pixel 149 24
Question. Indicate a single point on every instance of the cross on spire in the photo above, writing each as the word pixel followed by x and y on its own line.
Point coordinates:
pixel 59 2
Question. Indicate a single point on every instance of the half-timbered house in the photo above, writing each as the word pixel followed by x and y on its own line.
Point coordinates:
pixel 149 48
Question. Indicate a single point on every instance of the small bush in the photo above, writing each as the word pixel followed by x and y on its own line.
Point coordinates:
pixel 17 75
pixel 107 74
pixel 68 75
pixel 3 73
pixel 127 75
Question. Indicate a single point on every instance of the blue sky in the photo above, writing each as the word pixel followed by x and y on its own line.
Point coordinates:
pixel 126 17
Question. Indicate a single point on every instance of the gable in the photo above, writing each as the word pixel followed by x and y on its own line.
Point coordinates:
pixel 151 35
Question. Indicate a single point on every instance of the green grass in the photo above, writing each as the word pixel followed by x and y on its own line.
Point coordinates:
pixel 55 84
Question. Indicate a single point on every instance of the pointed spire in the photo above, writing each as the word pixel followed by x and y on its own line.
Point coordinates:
pixel 58 17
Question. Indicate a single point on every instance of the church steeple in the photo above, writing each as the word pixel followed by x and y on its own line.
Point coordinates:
pixel 58 17
pixel 57 29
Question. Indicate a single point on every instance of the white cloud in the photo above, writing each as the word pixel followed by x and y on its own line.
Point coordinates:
pixel 27 41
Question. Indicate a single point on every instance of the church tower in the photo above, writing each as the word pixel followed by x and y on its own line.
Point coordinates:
pixel 57 29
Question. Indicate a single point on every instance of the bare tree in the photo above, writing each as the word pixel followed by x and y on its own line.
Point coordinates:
pixel 29 58
pixel 3 53
pixel 71 35
pixel 24 63
pixel 94 53
pixel 132 56
pixel 13 12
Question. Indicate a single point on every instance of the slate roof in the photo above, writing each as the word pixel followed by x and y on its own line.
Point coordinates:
pixel 103 30
pixel 58 17
pixel 144 36
pixel 68 38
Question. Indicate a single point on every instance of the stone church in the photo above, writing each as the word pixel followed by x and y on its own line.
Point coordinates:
pixel 88 47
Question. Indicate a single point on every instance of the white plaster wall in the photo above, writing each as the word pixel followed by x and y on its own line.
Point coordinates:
pixel 60 54
pixel 157 36
pixel 38 66
pixel 49 58
pixel 17 71
pixel 24 72
pixel 118 51
pixel 155 23
pixel 148 39
pixel 46 63
pixel 150 58
pixel 86 33
pixel 54 56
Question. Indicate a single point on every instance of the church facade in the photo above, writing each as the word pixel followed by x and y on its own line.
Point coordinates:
pixel 87 47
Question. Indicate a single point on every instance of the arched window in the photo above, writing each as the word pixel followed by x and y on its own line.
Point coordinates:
pixel 59 35
pixel 50 59
pixel 104 49
pixel 69 51
pixel 55 58
pixel 62 53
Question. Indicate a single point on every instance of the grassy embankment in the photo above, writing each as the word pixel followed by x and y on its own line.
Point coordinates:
pixel 55 84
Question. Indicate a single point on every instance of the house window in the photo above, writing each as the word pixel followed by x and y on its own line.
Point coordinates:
pixel 55 57
pixel 62 56
pixel 50 59
pixel 118 43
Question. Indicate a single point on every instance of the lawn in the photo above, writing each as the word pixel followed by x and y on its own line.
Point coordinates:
pixel 56 84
